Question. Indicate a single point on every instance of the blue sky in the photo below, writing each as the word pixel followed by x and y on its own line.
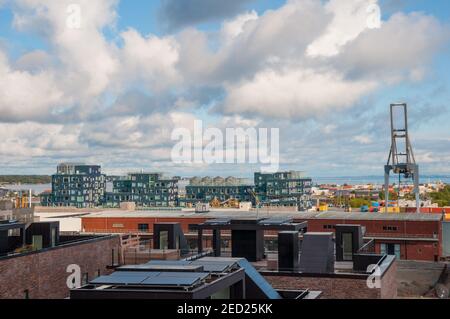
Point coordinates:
pixel 137 70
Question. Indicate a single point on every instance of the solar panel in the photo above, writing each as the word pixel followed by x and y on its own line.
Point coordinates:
pixel 116 280
pixel 276 221
pixel 154 267
pixel 198 275
pixel 133 274
pixel 221 221
pixel 170 281
pixel 174 268
pixel 214 266
pixel 168 262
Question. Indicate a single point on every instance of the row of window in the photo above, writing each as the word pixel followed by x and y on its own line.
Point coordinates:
pixel 385 228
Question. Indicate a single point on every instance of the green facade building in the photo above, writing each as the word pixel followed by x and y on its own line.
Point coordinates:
pixel 284 189
pixel 204 190
pixel 76 185
pixel 145 190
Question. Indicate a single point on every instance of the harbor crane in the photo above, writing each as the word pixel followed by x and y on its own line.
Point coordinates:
pixel 401 159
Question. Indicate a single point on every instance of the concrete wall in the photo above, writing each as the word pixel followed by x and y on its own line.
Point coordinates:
pixel 44 274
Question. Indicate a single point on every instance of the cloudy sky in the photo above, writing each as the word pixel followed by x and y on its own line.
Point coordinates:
pixel 112 90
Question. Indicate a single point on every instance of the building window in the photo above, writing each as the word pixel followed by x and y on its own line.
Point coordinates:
pixel 391 249
pixel 193 228
pixel 143 227
pixel 390 228
pixel 329 227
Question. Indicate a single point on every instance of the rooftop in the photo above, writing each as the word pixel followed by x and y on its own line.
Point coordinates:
pixel 182 279
pixel 239 214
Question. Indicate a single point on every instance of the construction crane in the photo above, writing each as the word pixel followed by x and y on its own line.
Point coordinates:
pixel 401 159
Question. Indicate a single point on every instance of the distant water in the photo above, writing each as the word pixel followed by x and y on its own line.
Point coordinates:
pixel 40 188
pixel 350 180
pixel 35 188
pixel 378 180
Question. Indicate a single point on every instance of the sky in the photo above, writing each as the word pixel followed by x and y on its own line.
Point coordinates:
pixel 108 81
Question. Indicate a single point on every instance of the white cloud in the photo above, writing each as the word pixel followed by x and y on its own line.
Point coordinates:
pixel 402 46
pixel 363 139
pixel 350 19
pixel 233 28
pixel 27 96
pixel 34 61
pixel 150 60
pixel 30 139
pixel 111 94
pixel 294 93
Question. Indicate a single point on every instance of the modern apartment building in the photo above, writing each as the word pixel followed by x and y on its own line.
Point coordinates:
pixel 284 189
pixel 144 189
pixel 76 185
pixel 206 189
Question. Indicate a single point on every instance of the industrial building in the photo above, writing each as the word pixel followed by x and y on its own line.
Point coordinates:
pixel 221 190
pixel 145 190
pixel 284 189
pixel 76 185
pixel 8 211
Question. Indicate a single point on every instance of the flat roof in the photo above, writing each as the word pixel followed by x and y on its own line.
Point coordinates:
pixel 11 225
pixel 371 216
pixel 237 214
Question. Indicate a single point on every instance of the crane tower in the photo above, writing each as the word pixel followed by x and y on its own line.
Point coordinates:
pixel 401 159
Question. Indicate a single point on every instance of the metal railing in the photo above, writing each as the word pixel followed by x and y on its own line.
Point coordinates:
pixel 368 248
pixel 401 235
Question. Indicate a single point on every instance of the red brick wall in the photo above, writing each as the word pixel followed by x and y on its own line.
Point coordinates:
pixel 412 228
pixel 340 286
pixel 389 285
pixel 332 288
pixel 422 250
pixel 44 273
pixel 130 224
pixel 410 250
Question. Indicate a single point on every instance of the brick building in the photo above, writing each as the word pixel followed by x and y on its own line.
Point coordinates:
pixel 339 285
pixel 408 236
pixel 43 274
